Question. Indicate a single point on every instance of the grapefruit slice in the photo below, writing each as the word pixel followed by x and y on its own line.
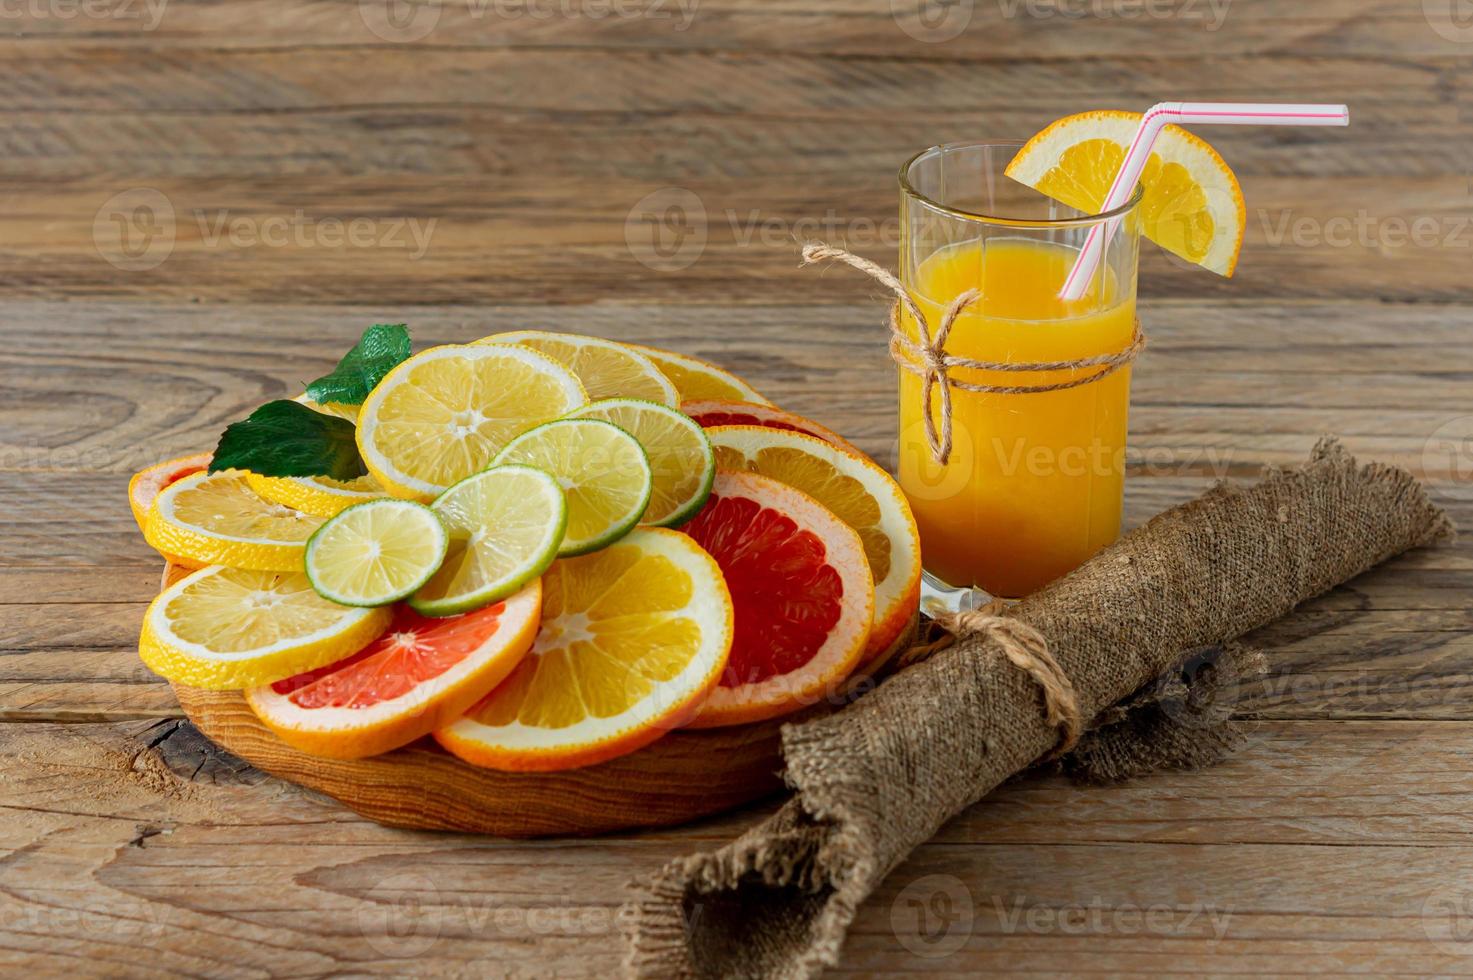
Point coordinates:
pixel 863 495
pixel 719 412
pixel 802 592
pixel 695 379
pixel 147 483
pixel 421 674
pixel 633 638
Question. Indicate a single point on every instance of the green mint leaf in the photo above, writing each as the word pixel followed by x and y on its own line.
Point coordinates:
pixel 285 438
pixel 382 346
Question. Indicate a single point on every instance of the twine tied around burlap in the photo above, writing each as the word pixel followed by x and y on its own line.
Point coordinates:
pixel 928 360
pixel 1147 633
pixel 1023 647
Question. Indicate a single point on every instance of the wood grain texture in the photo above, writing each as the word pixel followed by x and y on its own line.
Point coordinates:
pixel 1334 843
pixel 681 777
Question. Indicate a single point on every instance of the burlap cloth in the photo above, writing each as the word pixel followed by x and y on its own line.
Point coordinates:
pixel 879 777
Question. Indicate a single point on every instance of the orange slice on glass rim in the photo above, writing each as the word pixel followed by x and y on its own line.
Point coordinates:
pixel 861 494
pixel 802 592
pixel 421 674
pixel 1192 206
pixel 633 638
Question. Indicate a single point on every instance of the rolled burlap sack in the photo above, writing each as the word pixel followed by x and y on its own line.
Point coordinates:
pixel 876 779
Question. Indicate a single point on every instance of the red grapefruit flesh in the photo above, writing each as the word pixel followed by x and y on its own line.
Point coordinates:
pixel 422 674
pixel 802 593
pixel 713 413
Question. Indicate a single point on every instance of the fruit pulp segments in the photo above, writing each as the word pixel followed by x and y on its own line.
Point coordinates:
pixel 787 598
pixel 709 419
pixel 414 649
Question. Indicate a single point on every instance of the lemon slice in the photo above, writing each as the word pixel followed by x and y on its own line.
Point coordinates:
pixel 376 553
pixel 681 461
pixel 633 639
pixel 601 468
pixel 699 380
pixel 505 526
pixel 607 369
pixel 320 496
pixel 1192 205
pixel 446 412
pixel 217 519
pixel 342 411
pixel 224 628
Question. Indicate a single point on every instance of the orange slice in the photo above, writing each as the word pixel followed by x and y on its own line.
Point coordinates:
pixel 696 379
pixel 633 638
pixel 802 592
pixel 421 674
pixel 714 412
pixel 863 495
pixel 1193 206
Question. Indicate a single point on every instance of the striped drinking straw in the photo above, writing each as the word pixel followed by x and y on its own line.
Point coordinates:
pixel 1155 118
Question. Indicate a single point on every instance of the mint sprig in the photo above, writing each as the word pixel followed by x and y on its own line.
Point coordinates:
pixel 381 347
pixel 286 438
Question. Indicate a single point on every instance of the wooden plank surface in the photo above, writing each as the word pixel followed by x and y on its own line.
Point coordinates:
pixel 507 170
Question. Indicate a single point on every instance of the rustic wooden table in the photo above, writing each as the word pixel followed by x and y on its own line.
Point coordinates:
pixel 204 203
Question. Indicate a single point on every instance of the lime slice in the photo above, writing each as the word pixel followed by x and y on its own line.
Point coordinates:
pixel 602 469
pixel 680 455
pixel 376 553
pixel 505 526
pixel 606 369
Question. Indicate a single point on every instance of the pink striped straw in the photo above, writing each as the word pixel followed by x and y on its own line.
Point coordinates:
pixel 1154 120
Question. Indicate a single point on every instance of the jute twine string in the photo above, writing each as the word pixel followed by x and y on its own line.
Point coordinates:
pixel 1025 648
pixel 928 360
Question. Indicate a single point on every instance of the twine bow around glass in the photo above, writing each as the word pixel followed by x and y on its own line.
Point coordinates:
pixel 928 360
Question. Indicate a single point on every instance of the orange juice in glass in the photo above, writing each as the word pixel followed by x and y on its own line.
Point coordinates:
pixel 1034 481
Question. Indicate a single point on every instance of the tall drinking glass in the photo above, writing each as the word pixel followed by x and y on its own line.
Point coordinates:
pixel 1034 482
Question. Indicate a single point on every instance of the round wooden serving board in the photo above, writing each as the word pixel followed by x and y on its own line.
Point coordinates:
pixel 684 775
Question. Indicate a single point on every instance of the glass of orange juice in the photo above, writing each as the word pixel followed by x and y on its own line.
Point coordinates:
pixel 1034 481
